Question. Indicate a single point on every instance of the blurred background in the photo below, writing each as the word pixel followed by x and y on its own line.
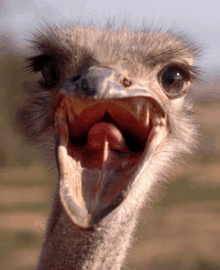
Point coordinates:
pixel 182 230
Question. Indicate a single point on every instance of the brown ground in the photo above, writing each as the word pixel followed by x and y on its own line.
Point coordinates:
pixel 183 231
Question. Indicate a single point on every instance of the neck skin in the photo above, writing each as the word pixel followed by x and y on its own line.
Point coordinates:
pixel 68 247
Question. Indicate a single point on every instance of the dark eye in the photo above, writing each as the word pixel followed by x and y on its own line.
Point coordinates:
pixel 173 79
pixel 49 67
pixel 51 74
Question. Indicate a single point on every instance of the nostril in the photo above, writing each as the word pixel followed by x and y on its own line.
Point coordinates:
pixel 87 88
pixel 125 82
pixel 75 78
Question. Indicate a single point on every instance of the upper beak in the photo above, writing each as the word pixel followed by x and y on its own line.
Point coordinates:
pixel 100 82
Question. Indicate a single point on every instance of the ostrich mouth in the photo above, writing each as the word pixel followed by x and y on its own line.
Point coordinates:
pixel 102 148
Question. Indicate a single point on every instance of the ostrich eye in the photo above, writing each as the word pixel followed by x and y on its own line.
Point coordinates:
pixel 50 74
pixel 173 79
pixel 48 65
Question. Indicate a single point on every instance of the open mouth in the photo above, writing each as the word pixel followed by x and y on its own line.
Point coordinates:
pixel 102 147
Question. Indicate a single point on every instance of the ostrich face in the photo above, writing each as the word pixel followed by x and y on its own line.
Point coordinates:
pixel 111 99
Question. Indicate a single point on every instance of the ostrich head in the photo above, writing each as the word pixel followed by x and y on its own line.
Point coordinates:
pixel 111 107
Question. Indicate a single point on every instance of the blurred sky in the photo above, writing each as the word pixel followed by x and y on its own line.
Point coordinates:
pixel 198 18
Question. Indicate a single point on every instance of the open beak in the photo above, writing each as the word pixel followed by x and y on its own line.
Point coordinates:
pixel 106 135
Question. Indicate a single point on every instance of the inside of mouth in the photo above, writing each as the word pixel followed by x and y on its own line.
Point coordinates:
pixel 94 180
pixel 133 143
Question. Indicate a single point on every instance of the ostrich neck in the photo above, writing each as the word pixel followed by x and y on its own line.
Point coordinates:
pixel 68 247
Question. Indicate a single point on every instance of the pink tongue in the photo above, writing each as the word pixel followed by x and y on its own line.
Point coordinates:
pixel 102 132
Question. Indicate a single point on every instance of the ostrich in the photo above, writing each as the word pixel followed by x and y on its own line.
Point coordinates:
pixel 111 109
